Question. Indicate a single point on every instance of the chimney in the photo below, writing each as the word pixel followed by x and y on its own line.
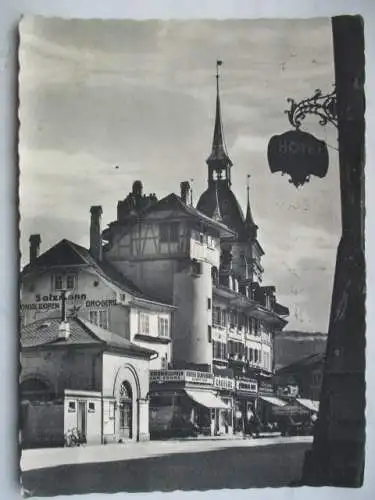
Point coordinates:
pixel 35 241
pixel 64 327
pixel 185 192
pixel 96 248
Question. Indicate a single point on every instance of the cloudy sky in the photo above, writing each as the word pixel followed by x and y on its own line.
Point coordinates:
pixel 141 95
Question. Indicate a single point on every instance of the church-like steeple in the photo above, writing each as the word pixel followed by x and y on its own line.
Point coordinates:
pixel 219 163
pixel 217 214
pixel 251 227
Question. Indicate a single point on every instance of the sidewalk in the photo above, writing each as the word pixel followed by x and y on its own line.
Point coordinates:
pixel 52 457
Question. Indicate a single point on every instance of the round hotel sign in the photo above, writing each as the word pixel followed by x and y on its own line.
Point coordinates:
pixel 298 154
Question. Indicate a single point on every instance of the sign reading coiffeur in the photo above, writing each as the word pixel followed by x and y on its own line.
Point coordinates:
pixel 53 301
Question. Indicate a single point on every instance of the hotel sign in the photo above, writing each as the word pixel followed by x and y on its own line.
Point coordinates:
pixel 53 301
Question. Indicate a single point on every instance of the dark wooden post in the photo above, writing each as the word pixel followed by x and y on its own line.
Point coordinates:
pixel 337 455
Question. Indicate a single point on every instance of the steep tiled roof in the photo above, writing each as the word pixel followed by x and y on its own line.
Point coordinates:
pixel 175 202
pixel 67 253
pixel 45 332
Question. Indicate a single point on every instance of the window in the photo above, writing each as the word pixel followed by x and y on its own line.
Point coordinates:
pixel 103 319
pixel 169 232
pixel 58 282
pixel 209 303
pixel 163 327
pixel 99 318
pixel 164 232
pixel 71 406
pixel 174 231
pixel 196 267
pixel 144 323
pixel 70 281
pixel 164 362
pixel 219 350
pixel 256 355
pixel 201 238
pixel 91 407
pixel 251 356
pixel 210 334
pixel 211 242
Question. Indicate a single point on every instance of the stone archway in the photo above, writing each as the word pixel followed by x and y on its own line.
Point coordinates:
pixel 36 388
pixel 126 390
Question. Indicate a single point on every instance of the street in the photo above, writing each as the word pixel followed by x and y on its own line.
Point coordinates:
pixel 165 466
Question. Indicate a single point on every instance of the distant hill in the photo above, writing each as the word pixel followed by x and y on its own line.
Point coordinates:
pixel 292 345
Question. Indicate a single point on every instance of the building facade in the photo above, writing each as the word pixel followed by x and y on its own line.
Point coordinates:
pixel 78 378
pixel 206 262
pixel 184 281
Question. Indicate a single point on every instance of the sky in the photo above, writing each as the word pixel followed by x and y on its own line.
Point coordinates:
pixel 140 95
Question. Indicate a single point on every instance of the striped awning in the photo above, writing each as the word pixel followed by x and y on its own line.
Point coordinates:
pixel 274 401
pixel 207 399
pixel 309 404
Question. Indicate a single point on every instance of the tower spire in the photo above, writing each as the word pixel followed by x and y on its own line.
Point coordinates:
pixel 217 214
pixel 219 161
pixel 249 221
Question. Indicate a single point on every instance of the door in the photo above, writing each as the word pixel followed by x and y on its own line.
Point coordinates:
pixel 126 412
pixel 81 420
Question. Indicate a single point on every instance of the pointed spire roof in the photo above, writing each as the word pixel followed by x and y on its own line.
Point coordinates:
pixel 218 152
pixel 249 221
pixel 217 214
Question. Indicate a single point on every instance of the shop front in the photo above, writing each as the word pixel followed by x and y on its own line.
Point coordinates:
pixel 245 403
pixel 186 403
pixel 224 417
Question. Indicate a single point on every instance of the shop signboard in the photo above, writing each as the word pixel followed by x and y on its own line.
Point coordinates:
pixel 52 301
pixel 224 383
pixel 265 388
pixel 250 386
pixel 187 376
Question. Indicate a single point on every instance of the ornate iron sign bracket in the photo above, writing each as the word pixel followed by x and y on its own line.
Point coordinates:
pixel 321 105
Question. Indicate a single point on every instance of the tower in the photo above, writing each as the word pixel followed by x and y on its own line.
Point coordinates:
pixel 219 163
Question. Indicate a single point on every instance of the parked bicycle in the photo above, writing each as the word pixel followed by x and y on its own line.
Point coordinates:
pixel 73 437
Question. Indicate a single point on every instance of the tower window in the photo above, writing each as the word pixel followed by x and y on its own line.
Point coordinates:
pixel 196 267
pixel 209 303
pixel 209 331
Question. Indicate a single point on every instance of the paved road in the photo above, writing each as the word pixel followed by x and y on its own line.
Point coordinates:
pixel 165 466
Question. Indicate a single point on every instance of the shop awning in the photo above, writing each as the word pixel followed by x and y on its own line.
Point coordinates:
pixel 274 401
pixel 207 399
pixel 309 404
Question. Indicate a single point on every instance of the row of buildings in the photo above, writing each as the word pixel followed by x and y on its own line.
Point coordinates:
pixel 162 325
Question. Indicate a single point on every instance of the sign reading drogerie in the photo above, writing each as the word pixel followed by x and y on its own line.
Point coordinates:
pixel 298 154
pixel 53 301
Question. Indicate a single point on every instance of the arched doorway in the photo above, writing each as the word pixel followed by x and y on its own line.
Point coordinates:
pixel 126 411
pixel 35 389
